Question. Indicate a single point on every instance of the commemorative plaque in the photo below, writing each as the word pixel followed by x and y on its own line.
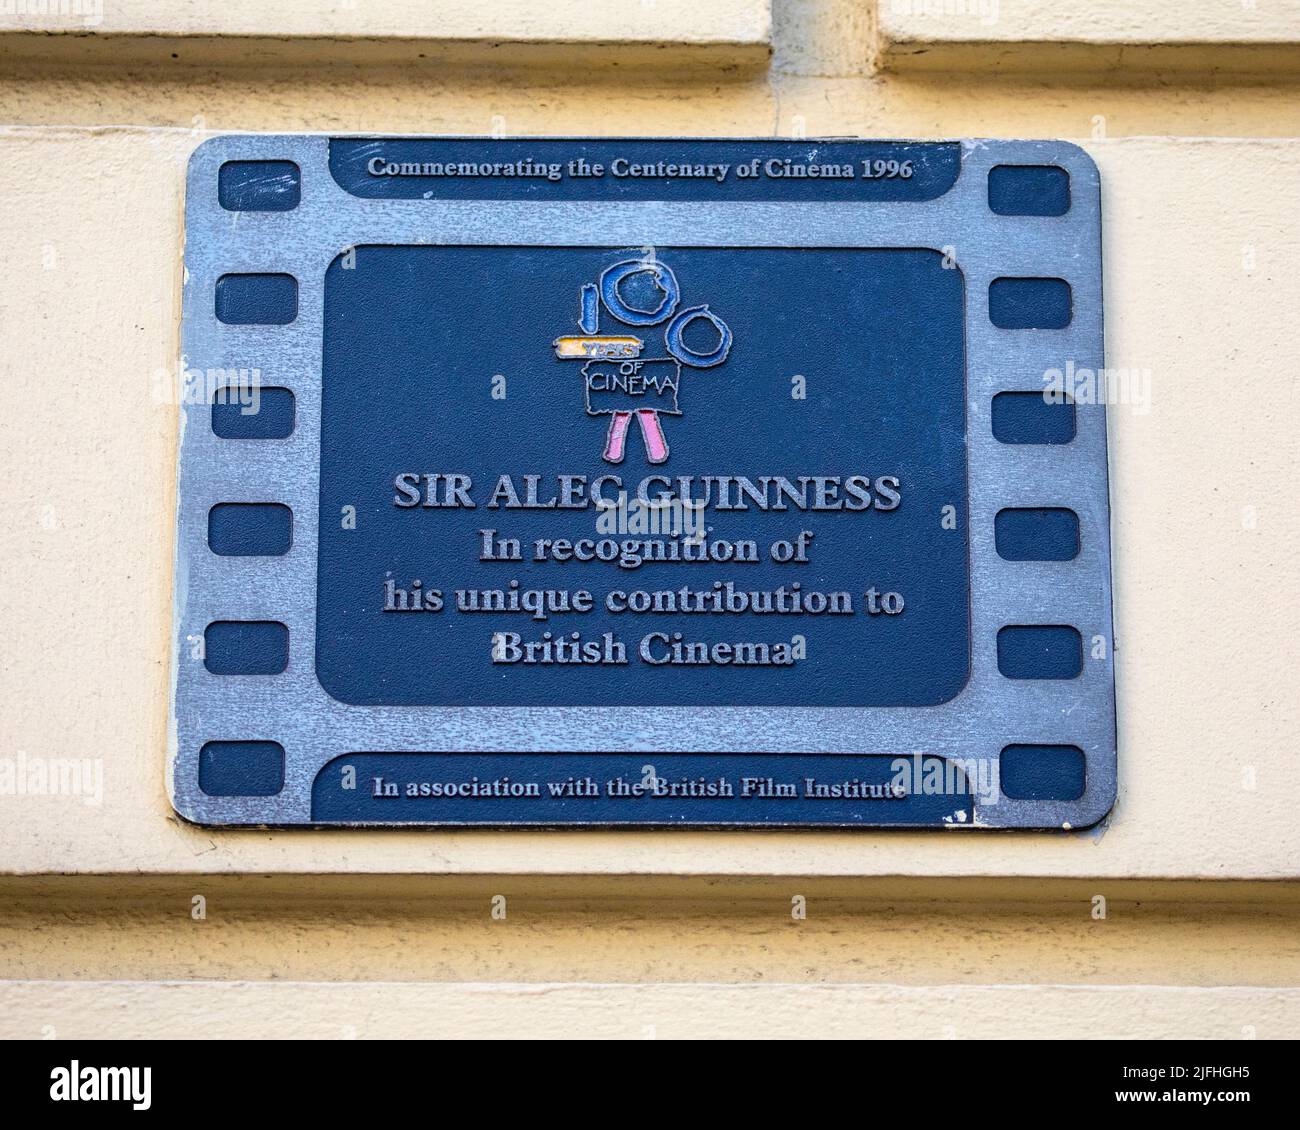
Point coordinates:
pixel 642 482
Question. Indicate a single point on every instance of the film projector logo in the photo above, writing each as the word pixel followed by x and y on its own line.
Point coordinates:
pixel 621 383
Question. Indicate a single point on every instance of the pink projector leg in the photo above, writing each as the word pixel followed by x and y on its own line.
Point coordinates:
pixel 656 447
pixel 617 438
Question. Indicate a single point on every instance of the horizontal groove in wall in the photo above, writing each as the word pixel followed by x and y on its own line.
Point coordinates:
pixel 1054 59
pixel 242 54
pixel 509 928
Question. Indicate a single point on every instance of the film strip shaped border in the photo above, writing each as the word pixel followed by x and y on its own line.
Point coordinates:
pixel 254 612
pixel 246 556
pixel 1039 510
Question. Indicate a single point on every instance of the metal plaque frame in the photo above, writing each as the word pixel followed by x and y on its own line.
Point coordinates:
pixel 292 709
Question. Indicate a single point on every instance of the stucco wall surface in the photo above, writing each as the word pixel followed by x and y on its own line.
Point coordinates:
pixel 1198 247
pixel 1200 36
pixel 165 1010
pixel 116 918
pixel 507 21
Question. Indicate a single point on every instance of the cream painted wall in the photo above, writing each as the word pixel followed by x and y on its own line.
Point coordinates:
pixel 379 1010
pixel 1201 184
pixel 1205 566
pixel 1120 37
pixel 503 21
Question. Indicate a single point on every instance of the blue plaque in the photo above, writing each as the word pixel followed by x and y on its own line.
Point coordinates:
pixel 646 482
